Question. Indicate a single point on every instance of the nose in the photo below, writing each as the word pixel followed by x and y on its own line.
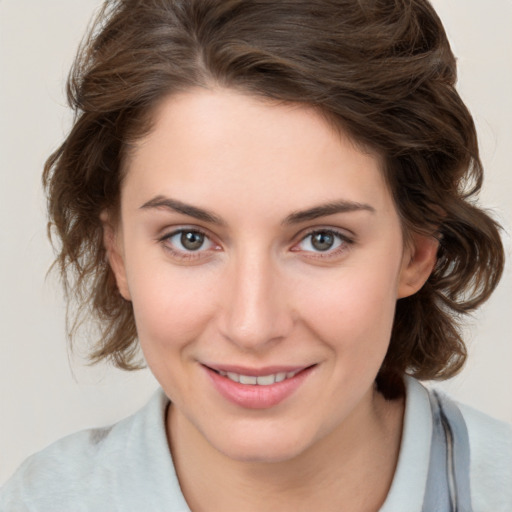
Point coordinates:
pixel 256 308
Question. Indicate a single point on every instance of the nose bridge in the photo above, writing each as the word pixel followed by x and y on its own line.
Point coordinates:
pixel 256 310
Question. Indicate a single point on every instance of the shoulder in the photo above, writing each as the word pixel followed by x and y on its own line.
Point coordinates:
pixel 59 471
pixel 97 469
pixel 490 455
pixel 491 460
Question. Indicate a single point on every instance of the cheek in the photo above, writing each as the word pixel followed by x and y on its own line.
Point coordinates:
pixel 354 312
pixel 170 308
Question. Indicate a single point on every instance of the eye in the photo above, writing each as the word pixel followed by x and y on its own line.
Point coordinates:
pixel 188 241
pixel 323 241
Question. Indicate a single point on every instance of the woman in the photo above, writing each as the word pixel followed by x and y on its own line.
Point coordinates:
pixel 275 200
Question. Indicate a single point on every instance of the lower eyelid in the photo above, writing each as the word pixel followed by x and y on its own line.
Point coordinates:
pixel 341 237
pixel 344 243
pixel 330 255
pixel 184 254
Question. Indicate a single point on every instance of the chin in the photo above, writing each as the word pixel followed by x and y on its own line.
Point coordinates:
pixel 258 446
pixel 262 454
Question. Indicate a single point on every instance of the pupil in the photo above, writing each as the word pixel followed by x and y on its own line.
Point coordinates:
pixel 322 241
pixel 191 240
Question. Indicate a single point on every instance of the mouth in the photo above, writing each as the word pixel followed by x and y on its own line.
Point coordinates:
pixel 258 380
pixel 257 388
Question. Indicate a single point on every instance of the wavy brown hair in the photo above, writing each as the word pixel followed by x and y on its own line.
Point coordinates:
pixel 381 70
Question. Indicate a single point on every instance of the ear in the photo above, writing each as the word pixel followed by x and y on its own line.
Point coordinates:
pixel 112 241
pixel 420 256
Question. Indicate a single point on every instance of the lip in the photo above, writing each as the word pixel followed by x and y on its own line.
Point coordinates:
pixel 255 396
pixel 255 372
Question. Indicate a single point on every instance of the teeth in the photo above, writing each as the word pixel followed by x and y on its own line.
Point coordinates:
pixel 233 376
pixel 266 380
pixel 248 379
pixel 262 380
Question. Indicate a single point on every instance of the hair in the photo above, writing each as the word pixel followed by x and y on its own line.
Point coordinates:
pixel 380 70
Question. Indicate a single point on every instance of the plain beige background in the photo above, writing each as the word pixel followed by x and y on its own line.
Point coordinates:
pixel 43 394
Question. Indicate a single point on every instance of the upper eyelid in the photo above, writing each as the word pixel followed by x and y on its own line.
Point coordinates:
pixel 170 232
pixel 184 254
pixel 343 234
pixel 346 242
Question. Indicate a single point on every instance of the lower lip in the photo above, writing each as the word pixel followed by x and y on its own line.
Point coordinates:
pixel 254 396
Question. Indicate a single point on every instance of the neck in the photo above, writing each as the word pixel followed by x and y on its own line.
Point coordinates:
pixel 350 469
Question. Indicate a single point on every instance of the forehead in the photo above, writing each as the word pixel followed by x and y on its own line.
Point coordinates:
pixel 223 145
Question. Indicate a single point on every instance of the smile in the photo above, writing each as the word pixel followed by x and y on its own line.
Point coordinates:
pixel 264 389
pixel 260 380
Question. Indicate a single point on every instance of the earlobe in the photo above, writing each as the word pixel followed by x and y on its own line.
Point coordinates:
pixel 419 261
pixel 113 247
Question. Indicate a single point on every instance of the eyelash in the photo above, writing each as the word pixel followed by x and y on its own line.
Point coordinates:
pixel 184 254
pixel 344 243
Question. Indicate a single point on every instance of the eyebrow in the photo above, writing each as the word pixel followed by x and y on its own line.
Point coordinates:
pixel 297 217
pixel 186 209
pixel 325 210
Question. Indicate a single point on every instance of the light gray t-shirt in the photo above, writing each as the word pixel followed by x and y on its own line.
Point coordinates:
pixel 128 467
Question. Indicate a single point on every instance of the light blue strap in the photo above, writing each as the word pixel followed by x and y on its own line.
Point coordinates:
pixel 437 493
pixel 448 482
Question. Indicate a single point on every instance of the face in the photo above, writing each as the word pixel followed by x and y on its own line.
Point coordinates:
pixel 263 256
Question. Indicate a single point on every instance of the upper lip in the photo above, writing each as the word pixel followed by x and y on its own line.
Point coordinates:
pixel 255 372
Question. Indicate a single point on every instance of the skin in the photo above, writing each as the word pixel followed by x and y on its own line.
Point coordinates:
pixel 258 293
